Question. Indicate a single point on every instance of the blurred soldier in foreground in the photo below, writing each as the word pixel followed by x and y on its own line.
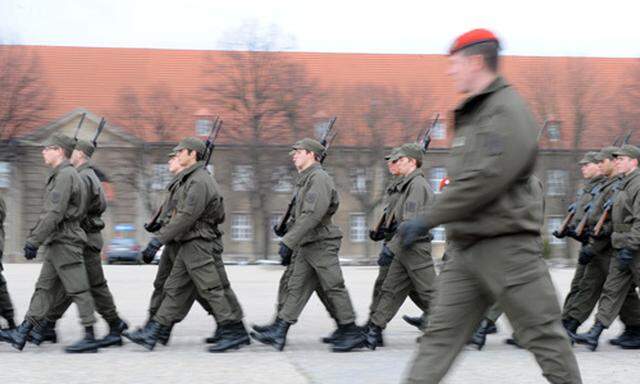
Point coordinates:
pixel 6 308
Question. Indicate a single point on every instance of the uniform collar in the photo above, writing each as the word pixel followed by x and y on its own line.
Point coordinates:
pixel 303 175
pixel 65 163
pixel 86 164
pixel 187 171
pixel 634 174
pixel 496 85
pixel 407 179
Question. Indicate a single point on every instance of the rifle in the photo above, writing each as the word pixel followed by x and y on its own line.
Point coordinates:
pixel 75 136
pixel 626 138
pixel 425 139
pixel 280 229
pixel 103 122
pixel 608 205
pixel 562 229
pixel 588 210
pixel 211 140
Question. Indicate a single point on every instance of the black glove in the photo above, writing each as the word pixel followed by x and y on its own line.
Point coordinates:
pixel 558 235
pixel 152 227
pixel 377 235
pixel 30 251
pixel 386 256
pixel 585 256
pixel 285 254
pixel 410 231
pixel 625 257
pixel 150 251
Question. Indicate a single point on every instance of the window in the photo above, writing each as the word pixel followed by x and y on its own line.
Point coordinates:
pixel 553 130
pixel 556 182
pixel 439 235
pixel 5 174
pixel 282 179
pixel 358 228
pixel 242 178
pixel 359 180
pixel 161 177
pixel 439 131
pixel 241 228
pixel 553 223
pixel 435 176
pixel 203 127
pixel 274 220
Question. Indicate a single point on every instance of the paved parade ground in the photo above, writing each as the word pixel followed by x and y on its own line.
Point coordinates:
pixel 304 360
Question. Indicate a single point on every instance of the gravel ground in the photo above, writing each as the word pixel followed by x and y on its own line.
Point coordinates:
pixel 305 359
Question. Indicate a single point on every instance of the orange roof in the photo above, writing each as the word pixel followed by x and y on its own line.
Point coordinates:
pixel 105 81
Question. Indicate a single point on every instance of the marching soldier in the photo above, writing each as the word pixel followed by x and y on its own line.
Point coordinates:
pixel 194 227
pixel 315 240
pixel 624 268
pixel 595 256
pixel 493 212
pixel 61 234
pixel 381 233
pixel 6 307
pixel 410 269
pixel 92 224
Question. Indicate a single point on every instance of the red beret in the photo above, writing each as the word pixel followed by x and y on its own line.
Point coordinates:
pixel 473 37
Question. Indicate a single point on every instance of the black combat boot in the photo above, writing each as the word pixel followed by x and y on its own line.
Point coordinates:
pixel 351 337
pixel 591 338
pixel 165 334
pixel 629 332
pixel 415 321
pixel 44 331
pixel 571 325
pixel 88 344
pixel 512 341
pixel 148 336
pixel 374 337
pixel 275 336
pixel 632 338
pixel 114 337
pixel 18 336
pixel 216 335
pixel 11 323
pixel 264 328
pixel 232 336
pixel 479 338
pixel 336 334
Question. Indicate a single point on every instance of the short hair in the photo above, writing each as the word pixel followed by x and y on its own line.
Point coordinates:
pixel 489 52
pixel 418 163
pixel 199 156
pixel 67 152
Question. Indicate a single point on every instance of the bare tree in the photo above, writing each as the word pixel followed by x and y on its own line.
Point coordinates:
pixel 381 117
pixel 267 97
pixel 23 93
pixel 153 118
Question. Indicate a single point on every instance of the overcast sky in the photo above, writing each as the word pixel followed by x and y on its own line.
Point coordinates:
pixel 538 27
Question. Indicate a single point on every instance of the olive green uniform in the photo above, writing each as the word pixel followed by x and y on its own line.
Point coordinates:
pixel 493 213
pixel 584 197
pixel 392 197
pixel 199 210
pixel 92 225
pixel 597 270
pixel 625 218
pixel 314 238
pixel 59 231
pixel 6 307
pixel 411 269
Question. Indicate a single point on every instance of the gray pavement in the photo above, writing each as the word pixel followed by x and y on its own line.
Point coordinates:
pixel 305 359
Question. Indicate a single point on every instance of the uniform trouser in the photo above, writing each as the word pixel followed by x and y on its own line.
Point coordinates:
pixel 618 296
pixel 63 270
pixel 377 291
pixel 194 273
pixel 508 270
pixel 102 297
pixel 317 263
pixel 6 307
pixel 494 312
pixel 574 288
pixel 410 270
pixel 283 292
pixel 164 269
